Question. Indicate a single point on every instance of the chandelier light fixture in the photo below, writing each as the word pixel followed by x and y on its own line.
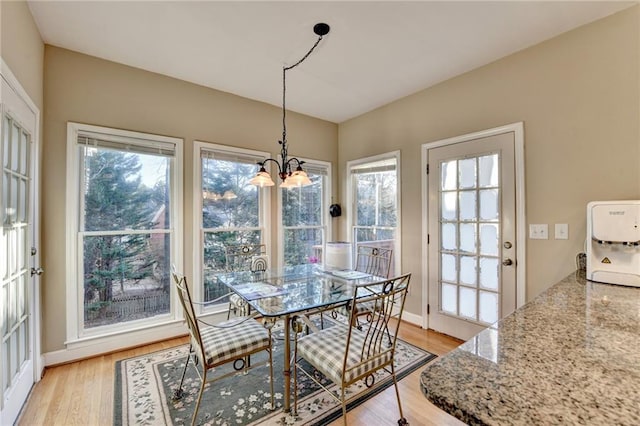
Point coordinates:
pixel 290 177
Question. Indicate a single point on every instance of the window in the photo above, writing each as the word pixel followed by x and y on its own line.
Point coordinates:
pixel 231 211
pixel 304 217
pixel 124 230
pixel 374 194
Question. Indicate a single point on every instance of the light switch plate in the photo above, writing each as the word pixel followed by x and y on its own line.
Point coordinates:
pixel 562 231
pixel 539 231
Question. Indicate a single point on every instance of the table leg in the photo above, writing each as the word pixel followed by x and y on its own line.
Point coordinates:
pixel 287 364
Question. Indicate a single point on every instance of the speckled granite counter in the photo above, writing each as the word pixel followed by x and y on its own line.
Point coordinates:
pixel 570 356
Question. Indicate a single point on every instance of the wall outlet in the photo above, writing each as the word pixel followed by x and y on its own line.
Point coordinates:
pixel 562 231
pixel 539 231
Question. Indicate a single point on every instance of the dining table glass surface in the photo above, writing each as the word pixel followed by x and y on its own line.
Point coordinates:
pixel 292 289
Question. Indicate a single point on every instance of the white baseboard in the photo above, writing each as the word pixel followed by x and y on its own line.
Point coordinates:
pixel 106 344
pixel 412 318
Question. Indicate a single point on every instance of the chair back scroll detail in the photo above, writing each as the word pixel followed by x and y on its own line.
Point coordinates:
pixel 374 260
pixel 259 263
pixel 239 257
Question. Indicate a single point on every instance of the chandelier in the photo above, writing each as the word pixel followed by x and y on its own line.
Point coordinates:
pixel 290 177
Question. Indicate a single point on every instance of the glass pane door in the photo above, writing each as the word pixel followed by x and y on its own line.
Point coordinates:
pixel 470 237
pixel 471 242
pixel 15 275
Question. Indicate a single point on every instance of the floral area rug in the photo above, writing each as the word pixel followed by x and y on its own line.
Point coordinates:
pixel 144 387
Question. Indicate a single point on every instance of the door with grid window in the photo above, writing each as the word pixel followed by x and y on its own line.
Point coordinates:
pixel 17 248
pixel 471 216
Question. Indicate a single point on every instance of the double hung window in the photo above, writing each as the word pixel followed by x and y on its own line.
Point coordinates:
pixel 123 200
pixel 232 211
pixel 374 188
pixel 304 216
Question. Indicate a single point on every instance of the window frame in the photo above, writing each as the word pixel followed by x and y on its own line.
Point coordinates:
pixel 351 202
pixel 198 234
pixel 111 336
pixel 326 200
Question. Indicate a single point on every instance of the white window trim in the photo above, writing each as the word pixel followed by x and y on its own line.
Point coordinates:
pixel 265 217
pixel 113 338
pixel 351 202
pixel 326 200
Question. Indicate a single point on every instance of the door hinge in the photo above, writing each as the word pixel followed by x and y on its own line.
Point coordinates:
pixel 428 309
pixel 428 239
pixel 427 169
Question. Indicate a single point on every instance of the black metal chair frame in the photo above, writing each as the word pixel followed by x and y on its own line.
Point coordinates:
pixel 197 348
pixel 238 258
pixel 374 261
pixel 347 354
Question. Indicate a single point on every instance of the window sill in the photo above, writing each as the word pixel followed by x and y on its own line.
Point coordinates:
pixel 90 346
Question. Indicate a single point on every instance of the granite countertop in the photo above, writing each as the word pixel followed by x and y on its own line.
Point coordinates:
pixel 570 356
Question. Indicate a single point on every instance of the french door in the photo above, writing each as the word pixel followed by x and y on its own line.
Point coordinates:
pixel 472 240
pixel 17 248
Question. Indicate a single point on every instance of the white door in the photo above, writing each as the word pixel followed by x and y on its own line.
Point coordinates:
pixel 18 291
pixel 472 241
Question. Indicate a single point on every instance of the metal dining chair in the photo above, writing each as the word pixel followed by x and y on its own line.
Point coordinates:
pixel 346 354
pixel 244 257
pixel 373 261
pixel 214 345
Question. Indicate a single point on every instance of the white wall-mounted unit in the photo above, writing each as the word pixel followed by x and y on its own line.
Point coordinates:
pixel 613 242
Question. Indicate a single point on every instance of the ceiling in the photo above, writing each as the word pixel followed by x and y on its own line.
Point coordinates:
pixel 375 53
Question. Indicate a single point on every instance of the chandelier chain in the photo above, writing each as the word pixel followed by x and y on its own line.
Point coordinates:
pixel 290 178
pixel 284 92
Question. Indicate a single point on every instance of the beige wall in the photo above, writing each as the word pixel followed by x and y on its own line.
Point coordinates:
pixel 21 47
pixel 578 96
pixel 89 90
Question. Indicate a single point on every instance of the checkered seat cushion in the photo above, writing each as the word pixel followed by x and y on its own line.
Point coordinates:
pixel 325 349
pixel 237 301
pixel 361 309
pixel 223 344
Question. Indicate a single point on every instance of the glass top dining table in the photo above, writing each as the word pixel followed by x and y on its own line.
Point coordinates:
pixel 295 289
pixel 283 293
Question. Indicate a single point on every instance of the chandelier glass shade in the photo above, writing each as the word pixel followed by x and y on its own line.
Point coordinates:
pixel 290 170
pixel 209 195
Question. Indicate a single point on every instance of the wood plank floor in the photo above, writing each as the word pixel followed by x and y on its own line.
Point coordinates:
pixel 81 393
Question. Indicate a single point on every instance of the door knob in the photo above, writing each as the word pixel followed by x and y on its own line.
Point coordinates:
pixel 36 271
pixel 507 262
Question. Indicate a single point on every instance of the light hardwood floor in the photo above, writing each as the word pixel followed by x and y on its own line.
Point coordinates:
pixel 81 393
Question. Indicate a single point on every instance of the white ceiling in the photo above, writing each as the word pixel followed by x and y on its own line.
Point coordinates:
pixel 376 51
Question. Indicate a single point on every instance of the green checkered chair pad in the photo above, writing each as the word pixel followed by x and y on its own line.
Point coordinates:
pixel 361 309
pixel 238 305
pixel 325 349
pixel 237 300
pixel 226 342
